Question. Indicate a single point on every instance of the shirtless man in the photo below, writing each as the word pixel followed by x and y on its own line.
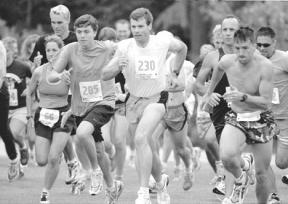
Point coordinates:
pixel 249 121
pixel 229 25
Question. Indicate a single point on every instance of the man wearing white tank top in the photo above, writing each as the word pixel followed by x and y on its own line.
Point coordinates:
pixel 142 61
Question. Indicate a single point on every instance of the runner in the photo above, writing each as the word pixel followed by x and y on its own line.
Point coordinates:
pixel 174 120
pixel 118 125
pixel 93 100
pixel 17 74
pixel 5 133
pixel 249 121
pixel 60 19
pixel 229 25
pixel 142 60
pixel 266 44
pixel 123 31
pixel 51 139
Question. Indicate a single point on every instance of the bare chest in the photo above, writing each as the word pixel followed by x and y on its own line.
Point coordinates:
pixel 245 80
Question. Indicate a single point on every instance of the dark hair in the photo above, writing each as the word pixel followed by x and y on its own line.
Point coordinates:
pixel 107 33
pixel 230 17
pixel 244 34
pixel 142 13
pixel 86 20
pixel 266 31
pixel 54 38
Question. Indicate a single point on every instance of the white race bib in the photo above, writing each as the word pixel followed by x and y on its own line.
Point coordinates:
pixel 147 67
pixel 13 97
pixel 275 98
pixel 249 117
pixel 49 117
pixel 118 89
pixel 91 91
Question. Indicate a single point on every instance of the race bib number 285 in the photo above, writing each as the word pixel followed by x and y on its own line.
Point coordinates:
pixel 146 67
pixel 91 91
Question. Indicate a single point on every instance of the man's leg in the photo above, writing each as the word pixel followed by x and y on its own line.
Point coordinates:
pixel 147 125
pixel 120 130
pixel 231 143
pixel 264 186
pixel 179 139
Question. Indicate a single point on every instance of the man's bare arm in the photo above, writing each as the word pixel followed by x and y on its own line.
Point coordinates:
pixel 180 49
pixel 111 69
pixel 204 72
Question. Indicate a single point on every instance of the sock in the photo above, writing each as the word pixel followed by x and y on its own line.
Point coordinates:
pixel 246 165
pixel 219 168
pixel 14 160
pixel 144 191
pixel 240 179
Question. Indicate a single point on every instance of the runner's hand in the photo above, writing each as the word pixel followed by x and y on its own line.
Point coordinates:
pixel 122 62
pixel 66 76
pixel 212 100
pixel 37 59
pixel 233 95
pixel 65 116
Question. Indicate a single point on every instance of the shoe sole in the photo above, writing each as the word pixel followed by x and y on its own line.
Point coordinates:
pixel 217 191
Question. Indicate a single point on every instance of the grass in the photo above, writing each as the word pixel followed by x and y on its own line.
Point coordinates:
pixel 27 190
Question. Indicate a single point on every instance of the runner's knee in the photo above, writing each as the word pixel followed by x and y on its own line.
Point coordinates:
pixel 281 163
pixel 53 159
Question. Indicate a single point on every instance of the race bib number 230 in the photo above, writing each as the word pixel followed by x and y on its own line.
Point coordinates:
pixel 147 67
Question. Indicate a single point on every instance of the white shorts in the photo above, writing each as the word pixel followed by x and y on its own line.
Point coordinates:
pixel 283 127
pixel 19 114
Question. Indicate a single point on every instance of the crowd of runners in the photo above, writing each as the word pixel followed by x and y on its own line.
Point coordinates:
pixel 133 89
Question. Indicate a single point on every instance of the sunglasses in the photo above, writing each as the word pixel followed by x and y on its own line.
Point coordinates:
pixel 263 45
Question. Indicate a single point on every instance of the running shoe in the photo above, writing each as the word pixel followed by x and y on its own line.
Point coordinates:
pixel 44 198
pixel 112 195
pixel 96 182
pixel 13 171
pixel 273 199
pixel 24 156
pixel 163 196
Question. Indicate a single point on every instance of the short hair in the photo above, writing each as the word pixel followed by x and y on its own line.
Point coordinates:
pixel 244 34
pixel 230 17
pixel 107 33
pixel 54 38
pixel 86 20
pixel 8 42
pixel 142 13
pixel 62 11
pixel 266 31
pixel 122 21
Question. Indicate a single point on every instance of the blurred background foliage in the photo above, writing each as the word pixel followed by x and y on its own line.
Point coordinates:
pixel 191 20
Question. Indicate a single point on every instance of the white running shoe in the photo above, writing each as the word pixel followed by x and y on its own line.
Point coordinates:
pixel 240 190
pixel 163 196
pixel 44 198
pixel 219 187
pixel 142 198
pixel 96 182
pixel 13 170
pixel 112 195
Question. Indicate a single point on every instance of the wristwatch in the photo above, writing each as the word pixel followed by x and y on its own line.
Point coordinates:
pixel 244 98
